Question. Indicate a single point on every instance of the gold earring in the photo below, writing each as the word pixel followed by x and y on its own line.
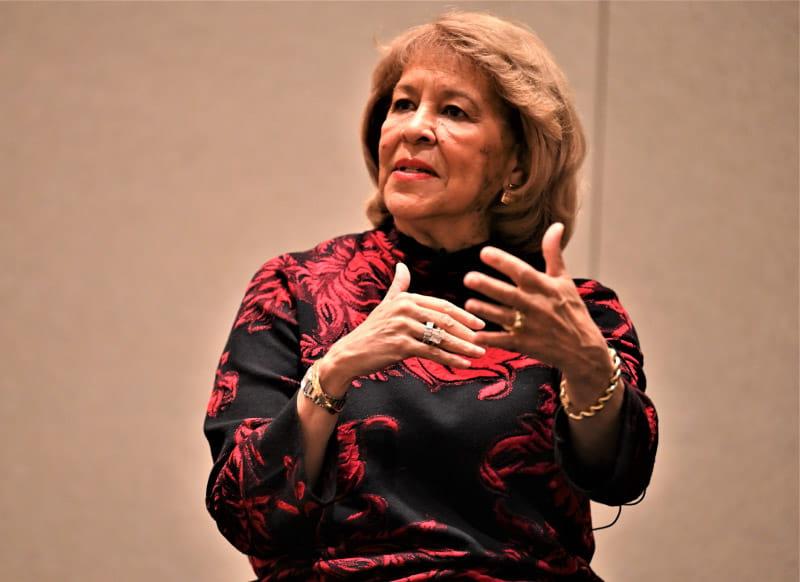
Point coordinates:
pixel 506 198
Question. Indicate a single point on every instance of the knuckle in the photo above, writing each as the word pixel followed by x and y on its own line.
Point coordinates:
pixel 405 305
pixel 528 279
pixel 404 324
pixel 399 301
pixel 407 346
pixel 422 350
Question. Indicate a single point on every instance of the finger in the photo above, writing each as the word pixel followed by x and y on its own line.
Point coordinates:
pixel 400 283
pixel 496 313
pixel 499 339
pixel 551 250
pixel 515 268
pixel 498 290
pixel 451 343
pixel 454 311
pixel 441 356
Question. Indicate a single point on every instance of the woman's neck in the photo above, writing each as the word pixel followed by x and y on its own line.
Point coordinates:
pixel 448 237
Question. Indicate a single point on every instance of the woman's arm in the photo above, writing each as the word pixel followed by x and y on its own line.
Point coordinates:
pixel 550 318
pixel 594 438
pixel 631 434
pixel 273 447
pixel 391 333
pixel 258 489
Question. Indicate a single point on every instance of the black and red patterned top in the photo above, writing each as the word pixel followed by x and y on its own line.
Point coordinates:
pixel 432 472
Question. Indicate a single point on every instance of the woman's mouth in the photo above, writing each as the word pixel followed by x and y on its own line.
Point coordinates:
pixel 409 174
pixel 411 169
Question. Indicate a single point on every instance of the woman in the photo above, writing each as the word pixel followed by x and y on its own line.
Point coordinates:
pixel 489 396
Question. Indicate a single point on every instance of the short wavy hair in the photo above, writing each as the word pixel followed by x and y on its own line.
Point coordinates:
pixel 542 117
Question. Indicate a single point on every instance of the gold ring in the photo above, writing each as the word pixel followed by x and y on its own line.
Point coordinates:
pixel 519 322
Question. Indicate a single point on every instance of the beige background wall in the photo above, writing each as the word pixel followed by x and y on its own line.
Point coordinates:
pixel 153 155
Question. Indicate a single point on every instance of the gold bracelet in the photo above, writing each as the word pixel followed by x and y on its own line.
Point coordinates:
pixel 311 389
pixel 604 397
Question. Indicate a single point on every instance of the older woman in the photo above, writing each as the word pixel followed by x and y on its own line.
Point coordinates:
pixel 436 397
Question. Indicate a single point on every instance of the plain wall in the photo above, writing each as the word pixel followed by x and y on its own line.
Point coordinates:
pixel 152 156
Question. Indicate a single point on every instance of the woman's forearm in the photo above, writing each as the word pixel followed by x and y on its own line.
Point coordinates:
pixel 594 438
pixel 317 424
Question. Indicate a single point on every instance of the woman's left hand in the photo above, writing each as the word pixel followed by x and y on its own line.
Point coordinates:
pixel 554 326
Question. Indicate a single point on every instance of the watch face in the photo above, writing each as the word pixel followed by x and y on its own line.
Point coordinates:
pixel 305 384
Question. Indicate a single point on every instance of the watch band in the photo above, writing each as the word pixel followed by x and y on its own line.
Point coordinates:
pixel 312 390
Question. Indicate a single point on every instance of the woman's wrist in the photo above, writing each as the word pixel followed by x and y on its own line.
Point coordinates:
pixel 585 384
pixel 332 375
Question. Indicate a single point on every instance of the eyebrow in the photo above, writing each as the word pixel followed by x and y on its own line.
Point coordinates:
pixel 447 93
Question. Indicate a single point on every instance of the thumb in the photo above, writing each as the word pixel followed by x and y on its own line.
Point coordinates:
pixel 551 249
pixel 402 279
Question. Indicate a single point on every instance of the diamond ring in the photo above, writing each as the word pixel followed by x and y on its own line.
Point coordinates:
pixel 432 335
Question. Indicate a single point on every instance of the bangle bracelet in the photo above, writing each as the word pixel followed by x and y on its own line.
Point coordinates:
pixel 312 390
pixel 604 397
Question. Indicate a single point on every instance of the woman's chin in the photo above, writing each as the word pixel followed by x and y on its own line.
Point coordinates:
pixel 408 207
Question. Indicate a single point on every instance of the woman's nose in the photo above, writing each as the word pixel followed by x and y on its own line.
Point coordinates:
pixel 419 127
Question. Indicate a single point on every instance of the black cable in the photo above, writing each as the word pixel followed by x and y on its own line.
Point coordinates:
pixel 619 512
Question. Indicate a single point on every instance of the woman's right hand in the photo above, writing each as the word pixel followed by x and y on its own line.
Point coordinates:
pixel 393 332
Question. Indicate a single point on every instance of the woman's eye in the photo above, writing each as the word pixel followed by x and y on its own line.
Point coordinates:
pixel 402 104
pixel 454 111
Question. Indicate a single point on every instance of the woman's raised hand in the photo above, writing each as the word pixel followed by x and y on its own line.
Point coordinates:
pixel 552 321
pixel 394 332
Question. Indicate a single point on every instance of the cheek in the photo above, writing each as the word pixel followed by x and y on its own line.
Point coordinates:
pixel 495 158
pixel 386 142
pixel 384 155
pixel 444 132
pixel 492 171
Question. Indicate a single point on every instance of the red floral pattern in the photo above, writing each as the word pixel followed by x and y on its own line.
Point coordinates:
pixel 344 284
pixel 267 297
pixel 496 370
pixel 225 388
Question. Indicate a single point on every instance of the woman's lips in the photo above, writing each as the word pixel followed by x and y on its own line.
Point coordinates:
pixel 412 170
pixel 411 175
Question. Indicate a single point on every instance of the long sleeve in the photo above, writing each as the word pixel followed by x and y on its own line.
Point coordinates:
pixel 257 489
pixel 384 506
pixel 630 473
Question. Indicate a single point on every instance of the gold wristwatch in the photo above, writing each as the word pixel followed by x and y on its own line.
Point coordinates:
pixel 311 389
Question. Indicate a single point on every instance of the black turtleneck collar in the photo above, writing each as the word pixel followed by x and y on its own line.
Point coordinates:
pixel 441 273
pixel 415 254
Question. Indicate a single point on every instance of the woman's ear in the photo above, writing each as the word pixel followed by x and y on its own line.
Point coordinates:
pixel 518 167
pixel 518 176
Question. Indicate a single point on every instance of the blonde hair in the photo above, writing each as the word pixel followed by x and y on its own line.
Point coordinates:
pixel 543 118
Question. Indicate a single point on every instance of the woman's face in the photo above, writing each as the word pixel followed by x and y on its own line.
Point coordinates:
pixel 445 149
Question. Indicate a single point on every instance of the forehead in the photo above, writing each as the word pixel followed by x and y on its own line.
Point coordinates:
pixel 446 68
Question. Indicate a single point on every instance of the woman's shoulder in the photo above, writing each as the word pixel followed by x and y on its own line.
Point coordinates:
pixel 373 240
pixel 337 254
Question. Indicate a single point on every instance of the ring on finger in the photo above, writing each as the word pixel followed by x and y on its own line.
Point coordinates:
pixel 518 324
pixel 432 334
